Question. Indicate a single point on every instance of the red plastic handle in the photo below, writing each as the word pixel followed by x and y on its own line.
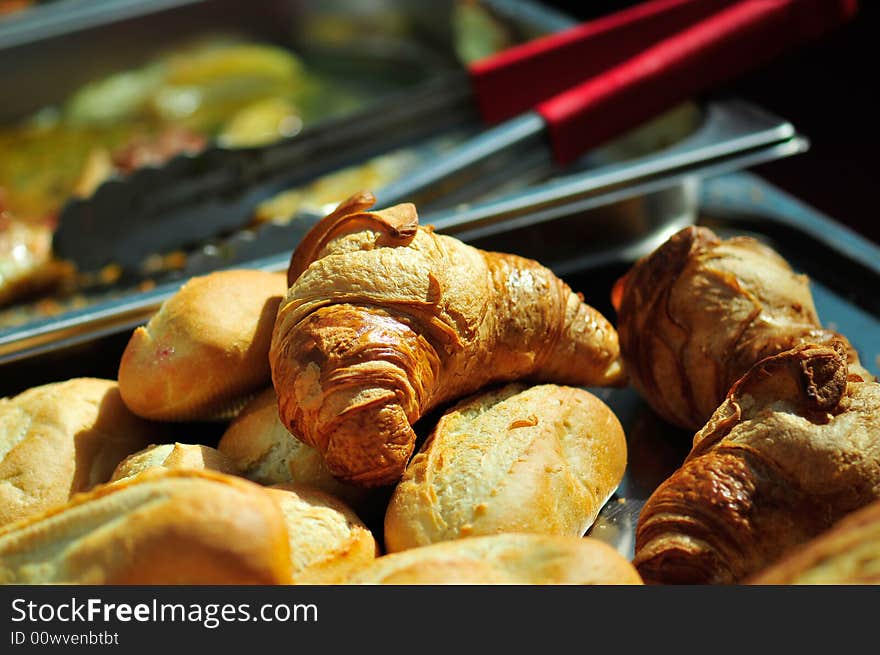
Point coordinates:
pixel 730 42
pixel 517 79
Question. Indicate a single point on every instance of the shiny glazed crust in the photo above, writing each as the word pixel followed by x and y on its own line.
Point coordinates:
pixel 848 553
pixel 698 312
pixel 541 459
pixel 386 320
pixel 793 448
pixel 264 451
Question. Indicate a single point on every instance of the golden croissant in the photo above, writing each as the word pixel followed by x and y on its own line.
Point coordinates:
pixel 848 553
pixel 698 312
pixel 385 320
pixel 794 448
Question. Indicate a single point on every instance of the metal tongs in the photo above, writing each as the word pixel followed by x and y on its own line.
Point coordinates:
pixel 559 96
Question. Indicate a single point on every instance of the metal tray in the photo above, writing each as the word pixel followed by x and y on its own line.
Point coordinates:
pixel 591 223
pixel 630 205
pixel 843 267
pixel 385 48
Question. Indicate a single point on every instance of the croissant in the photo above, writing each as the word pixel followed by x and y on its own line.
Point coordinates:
pixel 385 320
pixel 698 312
pixel 793 448
pixel 848 553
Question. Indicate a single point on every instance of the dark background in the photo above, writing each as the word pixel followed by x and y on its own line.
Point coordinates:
pixel 828 91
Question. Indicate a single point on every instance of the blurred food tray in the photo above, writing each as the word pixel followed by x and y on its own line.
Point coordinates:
pixel 624 197
pixel 62 58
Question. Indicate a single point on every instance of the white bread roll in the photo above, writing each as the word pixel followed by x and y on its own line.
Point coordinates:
pixel 504 559
pixel 264 451
pixel 194 457
pixel 541 459
pixel 328 542
pixel 206 351
pixel 163 526
pixel 62 438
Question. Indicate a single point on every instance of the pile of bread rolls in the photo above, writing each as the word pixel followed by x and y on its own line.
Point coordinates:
pixel 318 377
pixel 396 372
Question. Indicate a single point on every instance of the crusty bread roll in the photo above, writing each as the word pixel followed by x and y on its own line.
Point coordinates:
pixel 265 452
pixel 206 350
pixel 62 438
pixel 504 559
pixel 328 542
pixel 541 459
pixel 386 321
pixel 163 526
pixel 175 456
pixel 848 553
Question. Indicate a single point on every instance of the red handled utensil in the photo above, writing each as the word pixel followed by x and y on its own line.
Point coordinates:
pixel 553 98
pixel 601 78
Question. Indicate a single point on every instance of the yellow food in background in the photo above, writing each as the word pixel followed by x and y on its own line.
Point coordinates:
pixel 246 92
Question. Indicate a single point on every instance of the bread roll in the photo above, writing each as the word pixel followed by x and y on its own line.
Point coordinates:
pixel 504 559
pixel 328 542
pixel 541 459
pixel 264 451
pixel 386 321
pixel 175 456
pixel 162 527
pixel 206 350
pixel 848 553
pixel 62 438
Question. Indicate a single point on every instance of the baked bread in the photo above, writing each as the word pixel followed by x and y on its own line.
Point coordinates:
pixel 328 542
pixel 541 459
pixel 527 559
pixel 175 456
pixel 164 526
pixel 385 321
pixel 848 553
pixel 264 451
pixel 205 352
pixel 699 311
pixel 61 438
pixel 793 449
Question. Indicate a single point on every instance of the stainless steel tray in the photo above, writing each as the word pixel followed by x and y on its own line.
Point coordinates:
pixel 663 161
pixel 590 223
pixel 386 47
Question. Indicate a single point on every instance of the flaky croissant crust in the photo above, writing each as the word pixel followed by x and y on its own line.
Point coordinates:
pixel 793 448
pixel 699 311
pixel 385 320
pixel 848 553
